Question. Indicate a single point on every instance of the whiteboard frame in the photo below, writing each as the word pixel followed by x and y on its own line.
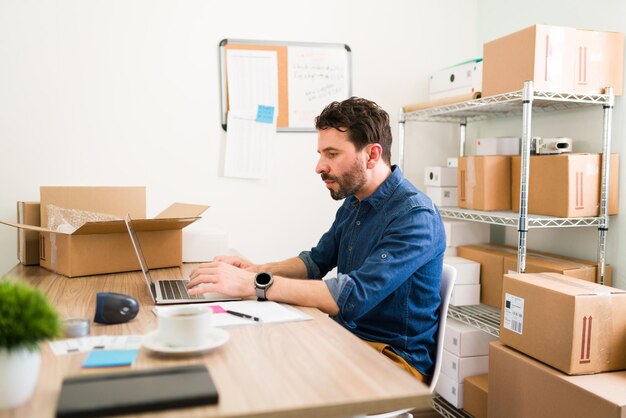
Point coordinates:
pixel 223 80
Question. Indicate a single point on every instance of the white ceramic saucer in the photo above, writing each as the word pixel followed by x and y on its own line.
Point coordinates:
pixel 215 338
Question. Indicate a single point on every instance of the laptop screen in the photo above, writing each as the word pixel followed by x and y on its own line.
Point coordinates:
pixel 135 241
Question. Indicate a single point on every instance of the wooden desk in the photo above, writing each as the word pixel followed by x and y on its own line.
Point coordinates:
pixel 300 369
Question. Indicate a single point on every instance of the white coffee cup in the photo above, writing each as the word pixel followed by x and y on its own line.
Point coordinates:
pixel 184 326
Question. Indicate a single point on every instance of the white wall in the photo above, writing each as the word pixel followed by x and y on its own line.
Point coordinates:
pixel 126 92
pixel 497 18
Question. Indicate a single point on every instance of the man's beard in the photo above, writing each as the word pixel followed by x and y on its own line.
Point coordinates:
pixel 349 183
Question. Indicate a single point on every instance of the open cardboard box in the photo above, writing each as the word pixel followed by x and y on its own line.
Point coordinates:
pixel 105 246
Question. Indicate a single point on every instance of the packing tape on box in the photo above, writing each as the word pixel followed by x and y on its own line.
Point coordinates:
pixel 53 251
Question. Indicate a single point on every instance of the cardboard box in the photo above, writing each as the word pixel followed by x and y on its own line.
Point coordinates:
pixel 465 233
pixel 458 368
pixel 467 271
pixel 541 53
pixel 105 247
pixel 496 260
pixel 521 387
pixel 440 176
pixel 485 182
pixel 599 62
pixel 575 326
pixel 443 196
pixel 450 390
pixel 499 145
pixel 465 294
pixel 565 185
pixel 476 395
pixel 465 340
pixel 457 80
pixel 28 241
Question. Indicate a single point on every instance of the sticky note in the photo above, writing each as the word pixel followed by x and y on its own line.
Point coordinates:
pixel 218 309
pixel 265 114
pixel 110 358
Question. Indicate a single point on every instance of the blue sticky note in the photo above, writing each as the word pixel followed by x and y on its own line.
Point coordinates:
pixel 265 114
pixel 110 358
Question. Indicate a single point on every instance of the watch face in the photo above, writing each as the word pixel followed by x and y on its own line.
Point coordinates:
pixel 262 279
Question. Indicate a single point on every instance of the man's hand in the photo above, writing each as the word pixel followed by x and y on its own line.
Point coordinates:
pixel 239 262
pixel 222 277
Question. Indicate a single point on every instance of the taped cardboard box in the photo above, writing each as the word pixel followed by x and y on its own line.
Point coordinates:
pixel 497 260
pixel 521 387
pixel 541 53
pixel 485 182
pixel 565 185
pixel 28 241
pixel 573 325
pixel 100 247
pixel 476 395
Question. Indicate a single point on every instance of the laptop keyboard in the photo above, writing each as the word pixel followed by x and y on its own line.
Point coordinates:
pixel 176 289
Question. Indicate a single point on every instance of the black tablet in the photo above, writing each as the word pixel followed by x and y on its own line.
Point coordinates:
pixel 136 391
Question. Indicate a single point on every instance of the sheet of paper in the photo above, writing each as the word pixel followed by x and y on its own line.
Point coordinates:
pixel 252 81
pixel 248 143
pixel 252 111
pixel 269 312
pixel 316 77
pixel 98 342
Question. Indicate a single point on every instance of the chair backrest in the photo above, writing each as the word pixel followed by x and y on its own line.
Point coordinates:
pixel 448 277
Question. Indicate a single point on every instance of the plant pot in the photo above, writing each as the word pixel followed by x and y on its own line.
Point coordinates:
pixel 19 372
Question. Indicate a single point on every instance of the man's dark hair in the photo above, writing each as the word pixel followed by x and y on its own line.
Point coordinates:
pixel 365 122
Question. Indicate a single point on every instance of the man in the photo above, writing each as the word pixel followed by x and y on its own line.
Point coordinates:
pixel 387 242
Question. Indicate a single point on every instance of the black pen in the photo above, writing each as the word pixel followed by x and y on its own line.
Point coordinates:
pixel 243 315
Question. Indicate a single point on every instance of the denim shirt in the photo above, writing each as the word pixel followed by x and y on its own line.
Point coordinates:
pixel 388 250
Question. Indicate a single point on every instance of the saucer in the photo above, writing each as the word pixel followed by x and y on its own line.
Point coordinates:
pixel 215 338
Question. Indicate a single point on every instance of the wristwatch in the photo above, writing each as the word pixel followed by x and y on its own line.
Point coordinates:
pixel 262 282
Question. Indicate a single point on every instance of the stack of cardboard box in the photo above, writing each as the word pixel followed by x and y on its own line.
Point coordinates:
pixel 466 290
pixel 100 247
pixel 441 185
pixel 465 354
pixel 561 349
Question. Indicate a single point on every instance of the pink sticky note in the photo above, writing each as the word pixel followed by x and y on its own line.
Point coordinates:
pixel 217 309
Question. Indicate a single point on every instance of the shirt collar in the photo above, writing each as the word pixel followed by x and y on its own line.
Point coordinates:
pixel 378 199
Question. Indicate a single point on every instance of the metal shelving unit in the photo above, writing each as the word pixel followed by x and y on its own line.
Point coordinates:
pixel 445 409
pixel 524 102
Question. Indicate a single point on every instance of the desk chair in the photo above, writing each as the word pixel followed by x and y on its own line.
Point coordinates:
pixel 448 277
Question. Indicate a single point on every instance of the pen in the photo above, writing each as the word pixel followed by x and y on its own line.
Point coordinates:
pixel 243 315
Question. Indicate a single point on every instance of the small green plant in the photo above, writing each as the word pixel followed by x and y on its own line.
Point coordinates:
pixel 26 316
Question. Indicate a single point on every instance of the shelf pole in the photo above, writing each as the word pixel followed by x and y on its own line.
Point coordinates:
pixel 522 226
pixel 603 228
pixel 463 136
pixel 401 122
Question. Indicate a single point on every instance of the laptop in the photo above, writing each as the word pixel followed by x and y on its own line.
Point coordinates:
pixel 168 291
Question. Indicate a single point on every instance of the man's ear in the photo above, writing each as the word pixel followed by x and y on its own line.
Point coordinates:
pixel 374 154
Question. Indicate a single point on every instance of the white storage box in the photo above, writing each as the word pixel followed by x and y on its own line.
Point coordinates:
pixel 459 80
pixel 443 196
pixel 465 233
pixel 440 176
pixel 453 162
pixel 467 271
pixel 450 252
pixel 458 368
pixel 465 294
pixel 464 340
pixel 450 390
pixel 498 145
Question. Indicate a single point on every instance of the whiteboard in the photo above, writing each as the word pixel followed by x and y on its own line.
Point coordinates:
pixel 310 76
